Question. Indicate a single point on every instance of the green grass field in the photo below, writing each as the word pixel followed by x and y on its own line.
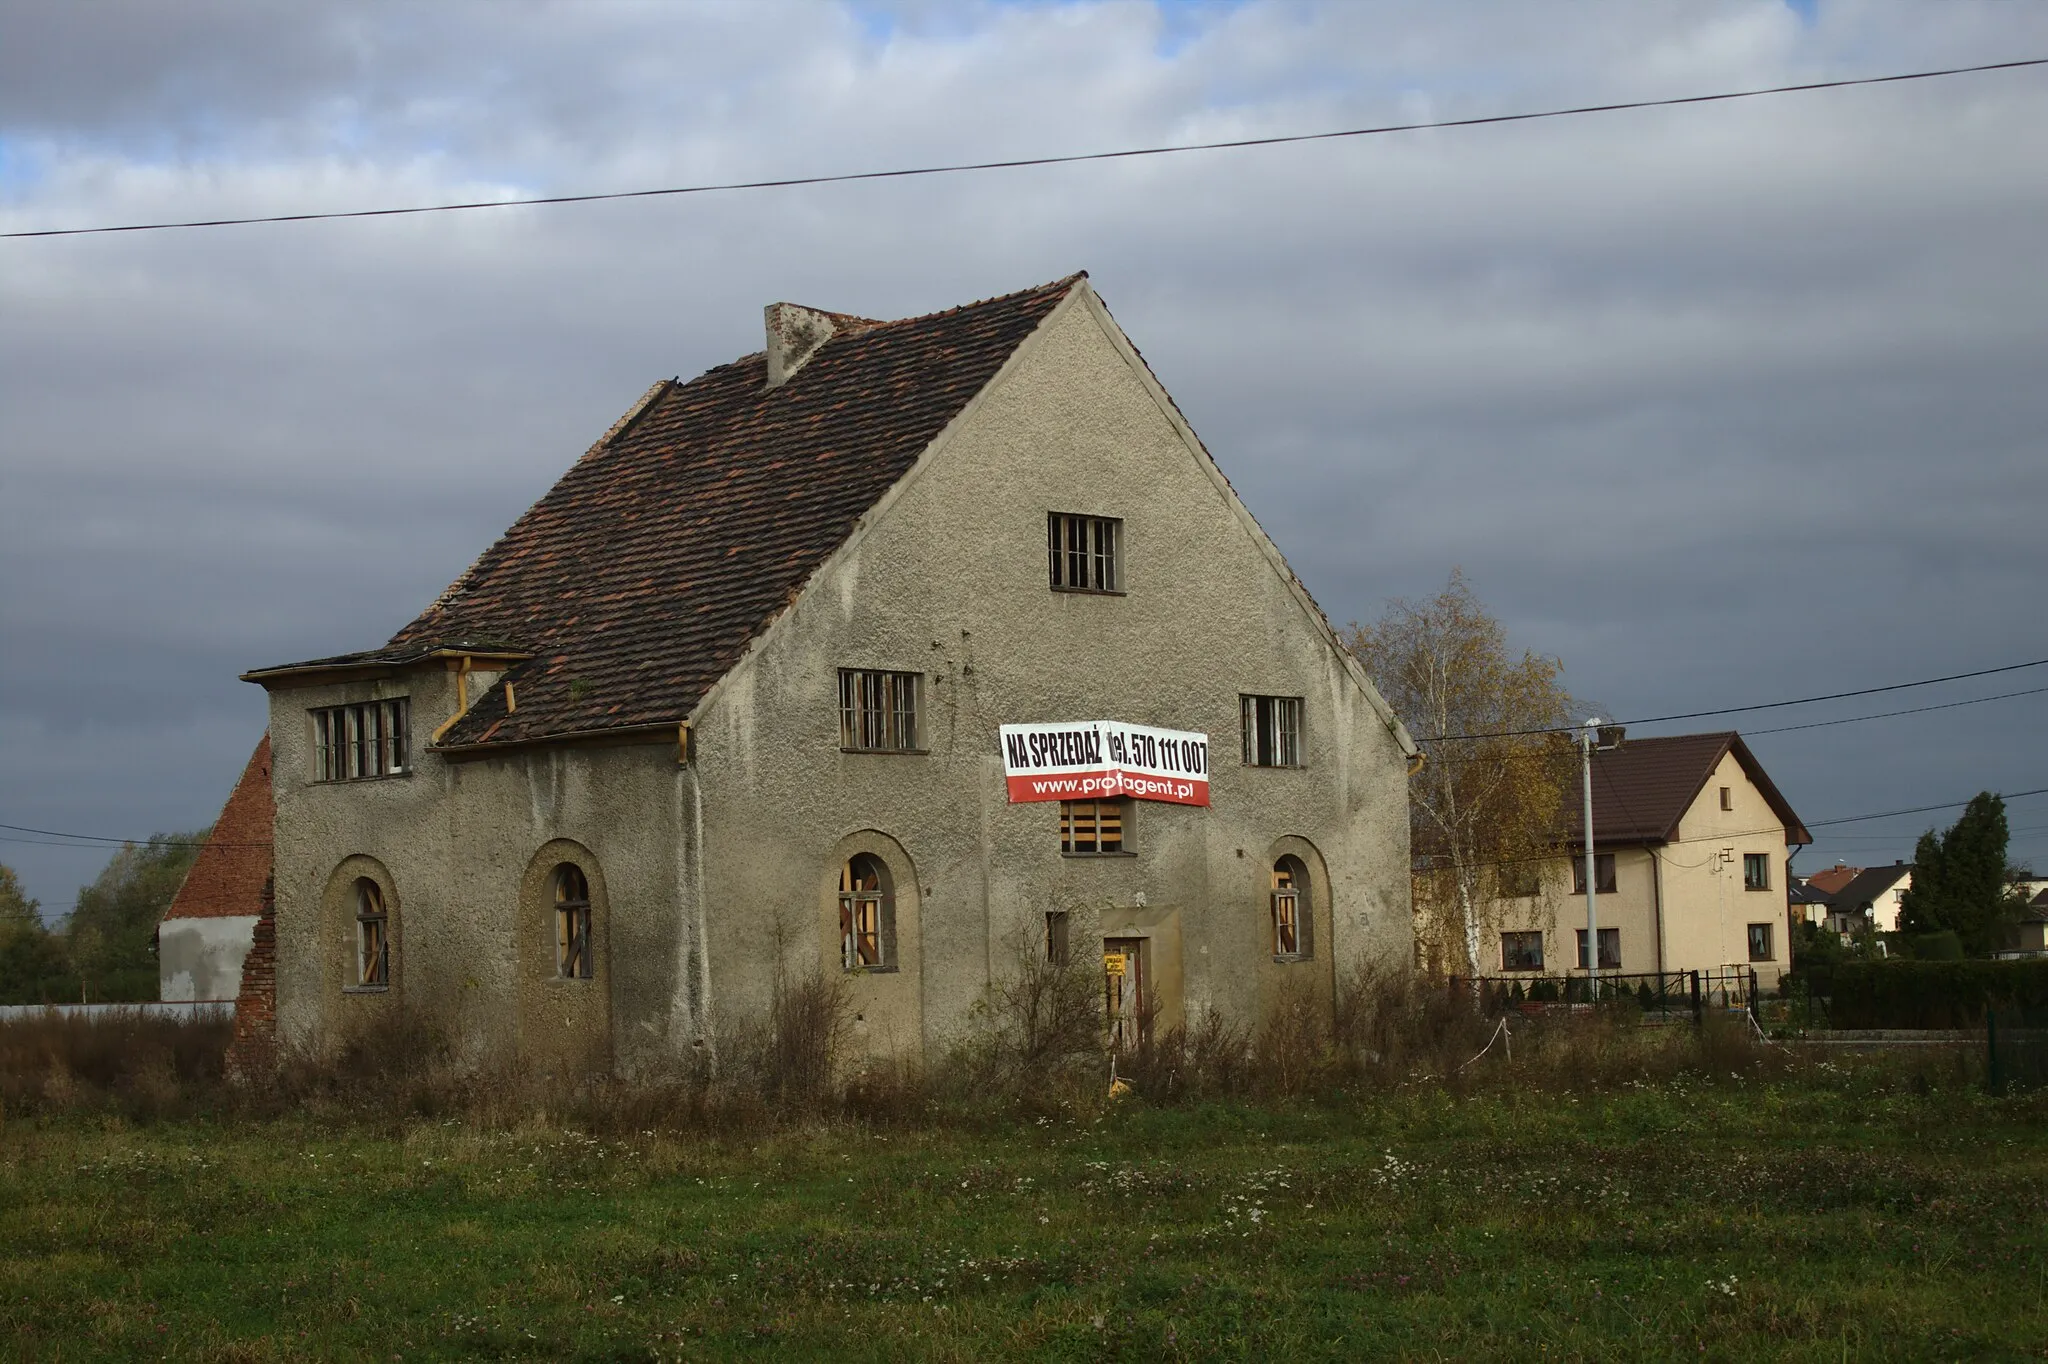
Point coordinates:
pixel 1832 1212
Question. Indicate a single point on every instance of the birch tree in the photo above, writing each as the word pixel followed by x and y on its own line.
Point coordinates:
pixel 1483 812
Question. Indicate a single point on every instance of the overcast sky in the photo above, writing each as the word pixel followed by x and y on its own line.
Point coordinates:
pixel 1719 404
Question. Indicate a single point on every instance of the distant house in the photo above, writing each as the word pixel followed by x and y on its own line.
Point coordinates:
pixel 1689 839
pixel 2029 937
pixel 1871 900
pixel 1834 878
pixel 1809 903
pixel 206 932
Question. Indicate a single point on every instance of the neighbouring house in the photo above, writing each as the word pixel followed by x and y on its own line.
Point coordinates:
pixel 902 654
pixel 1809 903
pixel 2028 935
pixel 1871 900
pixel 1689 840
pixel 207 931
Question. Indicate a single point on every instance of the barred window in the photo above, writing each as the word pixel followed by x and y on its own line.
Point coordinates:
pixel 878 710
pixel 573 956
pixel 1272 730
pixel 1092 826
pixel 1083 552
pixel 367 740
pixel 373 936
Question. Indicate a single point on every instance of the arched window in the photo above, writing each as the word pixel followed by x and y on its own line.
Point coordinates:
pixel 867 915
pixel 1292 915
pixel 373 935
pixel 574 958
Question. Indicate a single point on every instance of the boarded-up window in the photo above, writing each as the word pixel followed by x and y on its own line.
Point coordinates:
pixel 1082 552
pixel 867 928
pixel 351 743
pixel 373 936
pixel 1291 919
pixel 1272 730
pixel 574 959
pixel 1092 826
pixel 878 710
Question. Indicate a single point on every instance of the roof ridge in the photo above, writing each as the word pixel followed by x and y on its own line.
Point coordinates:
pixel 870 323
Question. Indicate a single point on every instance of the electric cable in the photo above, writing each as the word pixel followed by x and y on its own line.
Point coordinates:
pixel 957 168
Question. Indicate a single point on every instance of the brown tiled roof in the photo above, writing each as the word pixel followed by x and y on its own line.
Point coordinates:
pixel 1834 878
pixel 228 875
pixel 642 575
pixel 1642 789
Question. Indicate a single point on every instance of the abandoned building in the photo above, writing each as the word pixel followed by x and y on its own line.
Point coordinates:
pixel 902 651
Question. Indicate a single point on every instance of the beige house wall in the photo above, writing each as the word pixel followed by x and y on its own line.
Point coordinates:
pixel 1681 906
pixel 713 880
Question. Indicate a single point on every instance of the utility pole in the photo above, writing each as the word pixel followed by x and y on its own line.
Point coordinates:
pixel 1606 738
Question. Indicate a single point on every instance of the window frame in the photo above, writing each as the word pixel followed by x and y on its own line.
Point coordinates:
pixel 873 904
pixel 1519 880
pixel 872 705
pixel 1756 871
pixel 1530 963
pixel 1769 941
pixel 1606 876
pixel 1270 730
pixel 362 740
pixel 1058 938
pixel 1607 935
pixel 1070 813
pixel 1727 798
pixel 575 949
pixel 1292 905
pixel 373 926
pixel 1098 558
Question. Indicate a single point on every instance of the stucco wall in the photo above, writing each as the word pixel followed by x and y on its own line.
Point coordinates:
pixel 949 579
pixel 457 842
pixel 201 959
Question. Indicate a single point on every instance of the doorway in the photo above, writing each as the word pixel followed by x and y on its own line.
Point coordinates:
pixel 1123 992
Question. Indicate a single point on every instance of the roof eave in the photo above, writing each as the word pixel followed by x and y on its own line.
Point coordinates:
pixel 371 668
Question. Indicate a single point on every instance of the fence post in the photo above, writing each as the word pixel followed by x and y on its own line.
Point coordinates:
pixel 1992 1075
pixel 1754 1017
pixel 1695 997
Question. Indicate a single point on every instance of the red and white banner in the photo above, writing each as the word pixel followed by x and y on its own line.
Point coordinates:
pixel 1094 759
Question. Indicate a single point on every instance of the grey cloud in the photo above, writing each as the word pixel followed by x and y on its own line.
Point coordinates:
pixel 1717 404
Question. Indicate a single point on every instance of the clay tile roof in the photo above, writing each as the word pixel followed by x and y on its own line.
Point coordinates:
pixel 643 574
pixel 228 875
pixel 1834 878
pixel 1642 789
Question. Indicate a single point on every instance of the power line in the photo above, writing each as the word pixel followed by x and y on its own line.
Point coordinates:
pixel 1761 705
pixel 1022 162
pixel 138 842
pixel 1886 715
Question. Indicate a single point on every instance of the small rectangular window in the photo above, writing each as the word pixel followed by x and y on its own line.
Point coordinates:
pixel 1092 826
pixel 1272 730
pixel 1727 799
pixel 1519 880
pixel 351 743
pixel 1603 874
pixel 878 711
pixel 1610 949
pixel 1084 553
pixel 1756 871
pixel 1521 951
pixel 1056 937
pixel 1760 943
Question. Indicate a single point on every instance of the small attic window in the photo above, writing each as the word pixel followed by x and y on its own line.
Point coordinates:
pixel 353 743
pixel 1727 798
pixel 1084 553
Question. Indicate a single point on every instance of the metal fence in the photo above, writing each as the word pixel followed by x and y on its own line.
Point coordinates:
pixel 1665 995
pixel 2016 1050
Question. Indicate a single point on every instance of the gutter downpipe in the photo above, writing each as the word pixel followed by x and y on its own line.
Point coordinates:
pixel 1657 908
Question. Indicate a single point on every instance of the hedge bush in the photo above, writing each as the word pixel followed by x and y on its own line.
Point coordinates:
pixel 1936 994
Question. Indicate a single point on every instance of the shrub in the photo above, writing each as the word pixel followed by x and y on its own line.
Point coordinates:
pixel 1935 994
